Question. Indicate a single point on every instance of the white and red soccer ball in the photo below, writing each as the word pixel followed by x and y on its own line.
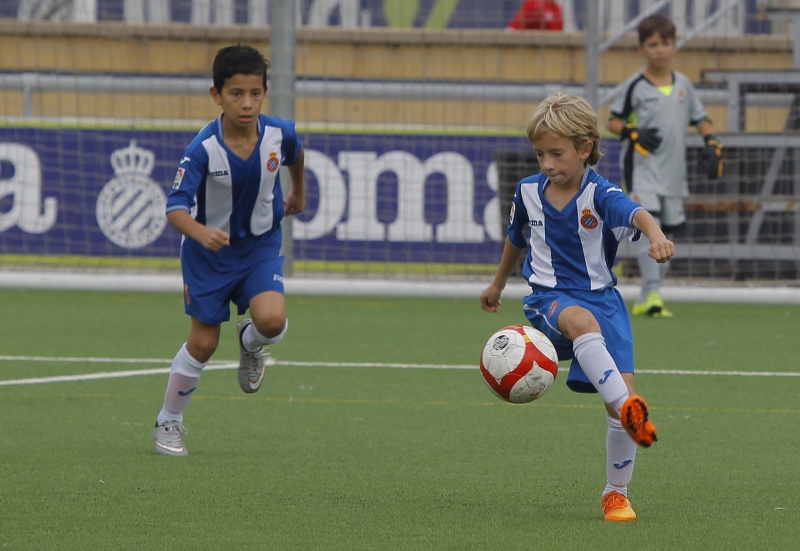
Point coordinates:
pixel 519 364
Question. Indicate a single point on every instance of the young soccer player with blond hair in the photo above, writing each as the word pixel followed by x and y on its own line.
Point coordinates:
pixel 570 219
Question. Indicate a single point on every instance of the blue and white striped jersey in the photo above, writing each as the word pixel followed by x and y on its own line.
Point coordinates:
pixel 241 196
pixel 573 248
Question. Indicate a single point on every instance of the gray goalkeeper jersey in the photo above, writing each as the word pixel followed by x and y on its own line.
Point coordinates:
pixel 669 109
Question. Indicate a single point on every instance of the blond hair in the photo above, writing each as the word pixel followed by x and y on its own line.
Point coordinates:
pixel 569 116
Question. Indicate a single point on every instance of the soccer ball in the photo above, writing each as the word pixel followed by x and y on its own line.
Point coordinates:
pixel 519 364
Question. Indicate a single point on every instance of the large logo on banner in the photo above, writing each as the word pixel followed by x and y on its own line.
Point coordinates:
pixel 21 187
pixel 130 207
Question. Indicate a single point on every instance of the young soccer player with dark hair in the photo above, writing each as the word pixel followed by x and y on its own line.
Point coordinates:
pixel 227 202
pixel 651 116
pixel 570 220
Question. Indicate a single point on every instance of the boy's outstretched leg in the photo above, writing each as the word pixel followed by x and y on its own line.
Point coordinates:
pixel 635 418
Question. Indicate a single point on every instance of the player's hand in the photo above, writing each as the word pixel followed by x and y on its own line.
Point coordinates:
pixel 294 203
pixel 644 140
pixel 214 239
pixel 661 250
pixel 711 158
pixel 490 298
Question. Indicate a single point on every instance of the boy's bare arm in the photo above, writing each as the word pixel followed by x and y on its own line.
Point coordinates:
pixel 616 125
pixel 296 199
pixel 212 239
pixel 490 297
pixel 705 128
pixel 661 249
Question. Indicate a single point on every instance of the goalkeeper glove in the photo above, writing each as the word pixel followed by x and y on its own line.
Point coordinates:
pixel 711 158
pixel 644 140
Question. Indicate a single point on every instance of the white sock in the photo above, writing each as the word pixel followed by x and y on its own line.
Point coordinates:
pixel 252 340
pixel 184 376
pixel 599 367
pixel 620 457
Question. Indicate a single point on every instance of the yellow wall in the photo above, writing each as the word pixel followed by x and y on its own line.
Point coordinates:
pixel 451 55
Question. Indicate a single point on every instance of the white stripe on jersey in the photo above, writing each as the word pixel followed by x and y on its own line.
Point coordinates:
pixel 218 186
pixel 541 254
pixel 262 218
pixel 592 241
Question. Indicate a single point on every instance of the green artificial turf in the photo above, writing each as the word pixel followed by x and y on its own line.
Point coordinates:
pixel 333 456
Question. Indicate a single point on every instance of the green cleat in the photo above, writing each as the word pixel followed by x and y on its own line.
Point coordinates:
pixel 652 306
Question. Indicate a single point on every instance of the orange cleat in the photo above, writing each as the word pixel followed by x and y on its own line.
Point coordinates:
pixel 617 508
pixel 633 415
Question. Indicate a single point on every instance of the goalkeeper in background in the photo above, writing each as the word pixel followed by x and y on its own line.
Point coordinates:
pixel 650 116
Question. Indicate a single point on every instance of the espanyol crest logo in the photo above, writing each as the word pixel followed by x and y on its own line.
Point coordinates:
pixel 130 207
pixel 589 220
pixel 273 163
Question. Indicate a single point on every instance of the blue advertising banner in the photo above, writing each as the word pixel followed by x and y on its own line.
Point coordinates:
pixel 384 198
pixel 87 192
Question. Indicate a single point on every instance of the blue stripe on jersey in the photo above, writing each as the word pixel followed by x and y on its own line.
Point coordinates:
pixel 572 248
pixel 240 196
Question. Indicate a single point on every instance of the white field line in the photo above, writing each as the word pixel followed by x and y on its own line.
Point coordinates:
pixel 233 365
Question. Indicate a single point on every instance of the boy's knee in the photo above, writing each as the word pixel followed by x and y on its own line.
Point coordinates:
pixel 270 326
pixel 202 349
pixel 582 324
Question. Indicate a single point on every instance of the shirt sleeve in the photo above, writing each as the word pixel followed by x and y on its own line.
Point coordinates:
pixel 518 221
pixel 617 210
pixel 622 106
pixel 291 144
pixel 191 174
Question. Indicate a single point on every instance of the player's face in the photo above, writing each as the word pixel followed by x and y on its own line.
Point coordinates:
pixel 241 98
pixel 658 51
pixel 560 160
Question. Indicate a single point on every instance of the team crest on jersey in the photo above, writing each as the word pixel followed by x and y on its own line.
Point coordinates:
pixel 588 220
pixel 553 306
pixel 681 96
pixel 273 163
pixel 511 216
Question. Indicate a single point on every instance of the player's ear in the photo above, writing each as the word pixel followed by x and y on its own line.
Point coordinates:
pixel 215 95
pixel 586 150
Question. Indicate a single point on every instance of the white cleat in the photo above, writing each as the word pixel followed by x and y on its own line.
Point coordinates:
pixel 168 439
pixel 251 364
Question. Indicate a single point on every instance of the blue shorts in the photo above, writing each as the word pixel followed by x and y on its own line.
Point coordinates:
pixel 212 280
pixel 543 306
